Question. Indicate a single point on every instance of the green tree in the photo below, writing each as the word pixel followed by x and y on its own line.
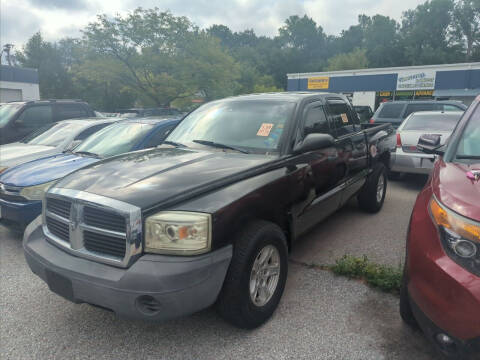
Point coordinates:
pixel 162 57
pixel 357 59
pixel 466 25
pixel 46 57
pixel 351 38
pixel 381 41
pixel 424 33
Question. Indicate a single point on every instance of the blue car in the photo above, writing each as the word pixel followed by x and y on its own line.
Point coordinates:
pixel 22 187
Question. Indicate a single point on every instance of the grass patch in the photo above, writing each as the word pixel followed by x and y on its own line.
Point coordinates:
pixel 386 278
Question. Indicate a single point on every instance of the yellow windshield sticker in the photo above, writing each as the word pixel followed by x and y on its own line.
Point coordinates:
pixel 265 129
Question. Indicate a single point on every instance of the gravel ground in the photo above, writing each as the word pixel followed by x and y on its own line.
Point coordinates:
pixel 321 316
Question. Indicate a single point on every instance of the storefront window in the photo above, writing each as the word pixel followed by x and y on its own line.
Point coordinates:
pixel 424 94
pixel 382 96
pixel 404 95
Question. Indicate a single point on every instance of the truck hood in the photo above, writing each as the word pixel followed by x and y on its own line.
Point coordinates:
pixel 453 189
pixel 44 170
pixel 18 153
pixel 149 177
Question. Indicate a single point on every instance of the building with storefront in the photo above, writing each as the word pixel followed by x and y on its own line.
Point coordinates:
pixel 17 84
pixel 372 86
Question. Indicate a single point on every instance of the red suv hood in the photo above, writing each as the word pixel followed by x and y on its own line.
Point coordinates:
pixel 453 189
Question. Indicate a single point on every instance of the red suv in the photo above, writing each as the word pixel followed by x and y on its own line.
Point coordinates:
pixel 441 286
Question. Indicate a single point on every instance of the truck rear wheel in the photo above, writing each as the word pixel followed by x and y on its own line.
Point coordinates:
pixel 372 195
pixel 256 277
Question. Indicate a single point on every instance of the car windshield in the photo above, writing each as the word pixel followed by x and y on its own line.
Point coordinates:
pixel 469 145
pixel 433 122
pixel 52 134
pixel 7 111
pixel 251 125
pixel 114 139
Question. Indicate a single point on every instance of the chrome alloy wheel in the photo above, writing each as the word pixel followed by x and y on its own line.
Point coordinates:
pixel 380 187
pixel 264 275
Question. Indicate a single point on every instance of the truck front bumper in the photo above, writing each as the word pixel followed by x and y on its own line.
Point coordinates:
pixel 155 287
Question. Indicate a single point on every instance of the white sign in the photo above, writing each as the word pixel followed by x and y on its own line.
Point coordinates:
pixel 416 80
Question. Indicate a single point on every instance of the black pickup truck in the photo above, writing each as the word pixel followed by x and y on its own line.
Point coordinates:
pixel 209 216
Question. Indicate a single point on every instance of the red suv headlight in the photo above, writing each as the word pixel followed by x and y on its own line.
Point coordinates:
pixel 460 236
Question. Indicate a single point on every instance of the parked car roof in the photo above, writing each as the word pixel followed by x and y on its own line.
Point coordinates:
pixel 438 112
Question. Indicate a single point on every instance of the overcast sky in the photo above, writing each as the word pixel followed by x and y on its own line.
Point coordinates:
pixel 20 19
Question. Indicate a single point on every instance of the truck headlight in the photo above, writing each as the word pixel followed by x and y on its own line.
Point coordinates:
pixel 460 236
pixel 178 232
pixel 36 192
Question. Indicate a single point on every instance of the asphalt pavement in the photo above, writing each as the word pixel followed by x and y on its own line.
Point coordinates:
pixel 321 316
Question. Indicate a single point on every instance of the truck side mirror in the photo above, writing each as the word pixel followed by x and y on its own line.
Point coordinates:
pixel 430 144
pixel 314 142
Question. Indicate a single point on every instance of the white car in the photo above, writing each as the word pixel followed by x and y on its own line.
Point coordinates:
pixel 407 158
pixel 50 140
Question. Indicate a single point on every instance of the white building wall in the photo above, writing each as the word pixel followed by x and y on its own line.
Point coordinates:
pixel 364 98
pixel 28 91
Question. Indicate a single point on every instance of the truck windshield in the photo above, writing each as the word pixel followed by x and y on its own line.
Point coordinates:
pixel 114 139
pixel 7 111
pixel 52 134
pixel 469 145
pixel 251 125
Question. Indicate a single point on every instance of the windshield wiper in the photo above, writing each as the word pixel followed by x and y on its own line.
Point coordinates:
pixel 88 153
pixel 176 144
pixel 219 145
pixel 468 157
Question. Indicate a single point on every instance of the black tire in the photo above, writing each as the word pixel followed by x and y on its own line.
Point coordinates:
pixel 406 312
pixel 367 198
pixel 234 302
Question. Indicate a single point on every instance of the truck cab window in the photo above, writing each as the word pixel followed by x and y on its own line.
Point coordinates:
pixel 342 117
pixel 315 121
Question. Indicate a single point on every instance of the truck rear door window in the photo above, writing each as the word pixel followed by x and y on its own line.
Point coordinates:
pixel 342 118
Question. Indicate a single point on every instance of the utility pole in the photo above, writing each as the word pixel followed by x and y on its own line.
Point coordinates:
pixel 7 48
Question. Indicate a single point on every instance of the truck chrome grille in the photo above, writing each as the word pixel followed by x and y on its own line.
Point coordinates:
pixel 103 219
pixel 59 207
pixel 104 244
pixel 93 226
pixel 58 229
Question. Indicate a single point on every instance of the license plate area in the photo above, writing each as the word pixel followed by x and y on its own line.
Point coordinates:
pixel 60 285
pixel 427 163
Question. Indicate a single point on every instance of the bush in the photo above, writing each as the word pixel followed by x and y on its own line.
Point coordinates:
pixel 386 278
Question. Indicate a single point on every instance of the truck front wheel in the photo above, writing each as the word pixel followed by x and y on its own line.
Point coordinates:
pixel 256 277
pixel 372 195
